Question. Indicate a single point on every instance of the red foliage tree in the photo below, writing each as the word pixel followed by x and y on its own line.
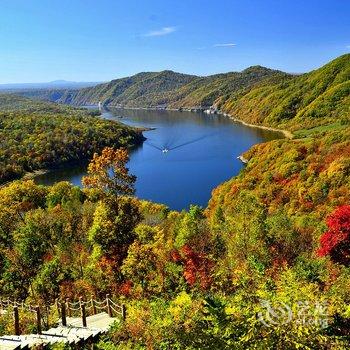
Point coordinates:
pixel 126 288
pixel 197 267
pixel 336 241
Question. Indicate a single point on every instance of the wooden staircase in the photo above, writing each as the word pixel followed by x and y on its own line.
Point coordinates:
pixel 74 331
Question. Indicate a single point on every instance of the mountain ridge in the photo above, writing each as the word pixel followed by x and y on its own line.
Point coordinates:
pixel 151 89
pixel 59 83
pixel 256 95
pixel 316 98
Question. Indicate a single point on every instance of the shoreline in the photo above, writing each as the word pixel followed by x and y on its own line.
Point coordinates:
pixel 242 159
pixel 287 134
pixel 32 175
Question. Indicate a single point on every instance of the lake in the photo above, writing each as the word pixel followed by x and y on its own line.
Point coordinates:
pixel 203 151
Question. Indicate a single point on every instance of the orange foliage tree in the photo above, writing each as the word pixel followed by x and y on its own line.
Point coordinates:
pixel 109 173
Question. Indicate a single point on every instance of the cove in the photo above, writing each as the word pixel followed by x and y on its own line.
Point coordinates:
pixel 202 153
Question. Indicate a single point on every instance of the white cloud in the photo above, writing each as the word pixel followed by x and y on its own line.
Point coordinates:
pixel 161 32
pixel 225 45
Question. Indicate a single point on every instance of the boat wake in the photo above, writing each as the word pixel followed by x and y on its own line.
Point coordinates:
pixel 166 147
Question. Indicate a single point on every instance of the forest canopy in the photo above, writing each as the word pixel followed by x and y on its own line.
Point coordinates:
pixel 39 135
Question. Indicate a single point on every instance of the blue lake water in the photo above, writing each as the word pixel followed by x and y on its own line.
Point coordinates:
pixel 203 151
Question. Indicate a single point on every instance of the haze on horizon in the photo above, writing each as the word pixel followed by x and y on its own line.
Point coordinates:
pixel 85 41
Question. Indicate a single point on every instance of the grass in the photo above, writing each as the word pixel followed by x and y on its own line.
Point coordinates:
pixel 304 133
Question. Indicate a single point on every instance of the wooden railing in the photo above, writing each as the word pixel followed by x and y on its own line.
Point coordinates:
pixel 67 308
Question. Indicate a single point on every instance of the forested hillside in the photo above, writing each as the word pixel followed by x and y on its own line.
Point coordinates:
pixel 171 89
pixel 12 103
pixel 49 95
pixel 316 98
pixel 167 88
pixel 205 91
pixel 140 90
pixel 36 135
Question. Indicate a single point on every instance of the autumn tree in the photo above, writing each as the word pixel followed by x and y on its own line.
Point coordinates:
pixel 109 173
pixel 246 229
pixel 336 241
pixel 113 226
pixel 197 267
pixel 15 201
pixel 47 281
pixel 191 226
pixel 117 214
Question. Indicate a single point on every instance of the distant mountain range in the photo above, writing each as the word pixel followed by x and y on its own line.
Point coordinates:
pixel 168 88
pixel 56 84
pixel 152 89
pixel 256 95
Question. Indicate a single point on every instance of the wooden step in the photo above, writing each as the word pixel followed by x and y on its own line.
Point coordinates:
pixel 8 343
pixel 74 333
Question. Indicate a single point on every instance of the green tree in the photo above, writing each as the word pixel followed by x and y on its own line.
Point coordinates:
pixel 190 226
pixel 246 235
pixel 113 226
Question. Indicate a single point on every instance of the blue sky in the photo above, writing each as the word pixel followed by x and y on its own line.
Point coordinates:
pixel 98 40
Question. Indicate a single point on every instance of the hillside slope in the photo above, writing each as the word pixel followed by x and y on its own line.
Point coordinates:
pixel 169 88
pixel 36 135
pixel 48 95
pixel 205 91
pixel 12 103
pixel 316 98
pixel 306 177
pixel 140 90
